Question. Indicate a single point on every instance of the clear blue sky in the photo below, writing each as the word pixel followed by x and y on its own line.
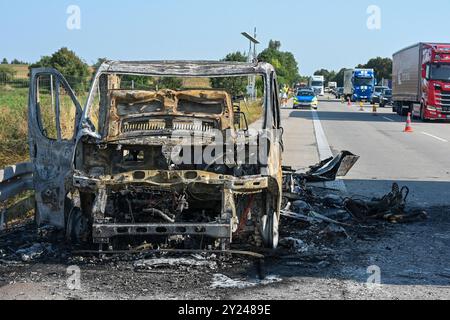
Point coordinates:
pixel 322 34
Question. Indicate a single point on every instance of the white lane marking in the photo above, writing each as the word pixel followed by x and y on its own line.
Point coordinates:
pixel 325 151
pixel 435 137
pixel 322 141
pixel 389 119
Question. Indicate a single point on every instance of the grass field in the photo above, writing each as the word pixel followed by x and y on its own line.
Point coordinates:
pixel 21 71
pixel 13 126
pixel 196 83
pixel 14 122
pixel 253 110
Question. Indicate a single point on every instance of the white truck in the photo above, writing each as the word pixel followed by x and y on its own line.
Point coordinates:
pixel 348 84
pixel 317 83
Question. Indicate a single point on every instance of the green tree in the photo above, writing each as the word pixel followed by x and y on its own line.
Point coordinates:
pixel 75 70
pixel 99 62
pixel 137 82
pixel 339 77
pixel 382 67
pixel 328 75
pixel 6 73
pixel 4 61
pixel 169 83
pixel 275 45
pixel 16 61
pixel 236 57
pixel 284 63
pixel 236 86
pixel 151 83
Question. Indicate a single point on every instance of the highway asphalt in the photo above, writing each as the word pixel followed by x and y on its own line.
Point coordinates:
pixel 419 160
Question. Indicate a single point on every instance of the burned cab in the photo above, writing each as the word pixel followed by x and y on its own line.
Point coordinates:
pixel 176 153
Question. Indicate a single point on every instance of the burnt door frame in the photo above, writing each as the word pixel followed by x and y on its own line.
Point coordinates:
pixel 52 158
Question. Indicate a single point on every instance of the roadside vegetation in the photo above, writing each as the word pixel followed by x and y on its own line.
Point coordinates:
pixel 253 110
pixel 14 93
pixel 284 62
pixel 13 125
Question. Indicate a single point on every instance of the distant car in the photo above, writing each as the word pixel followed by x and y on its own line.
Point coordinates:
pixel 377 93
pixel 339 92
pixel 305 98
pixel 386 98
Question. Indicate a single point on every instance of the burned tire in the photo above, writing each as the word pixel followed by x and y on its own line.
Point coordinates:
pixel 270 225
pixel 77 227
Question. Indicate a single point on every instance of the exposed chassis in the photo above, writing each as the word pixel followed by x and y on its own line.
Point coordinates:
pixel 103 230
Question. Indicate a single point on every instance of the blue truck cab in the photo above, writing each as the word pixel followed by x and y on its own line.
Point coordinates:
pixel 363 84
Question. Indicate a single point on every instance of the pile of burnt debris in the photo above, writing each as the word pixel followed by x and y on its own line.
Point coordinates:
pixel 306 205
pixel 302 203
pixel 331 214
pixel 22 245
pixel 319 222
pixel 313 216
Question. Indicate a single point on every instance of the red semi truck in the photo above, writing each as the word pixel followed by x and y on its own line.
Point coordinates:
pixel 421 81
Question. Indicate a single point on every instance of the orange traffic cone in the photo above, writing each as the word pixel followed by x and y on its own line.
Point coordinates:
pixel 361 106
pixel 408 127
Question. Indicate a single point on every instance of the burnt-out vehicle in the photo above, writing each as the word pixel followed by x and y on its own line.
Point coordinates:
pixel 127 164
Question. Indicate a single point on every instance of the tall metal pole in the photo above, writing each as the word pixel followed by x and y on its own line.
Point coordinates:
pixel 255 57
pixel 252 57
pixel 250 88
pixel 254 47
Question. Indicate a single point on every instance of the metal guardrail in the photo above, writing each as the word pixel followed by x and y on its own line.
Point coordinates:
pixel 15 180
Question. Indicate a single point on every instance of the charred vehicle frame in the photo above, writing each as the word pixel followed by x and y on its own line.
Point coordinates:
pixel 118 179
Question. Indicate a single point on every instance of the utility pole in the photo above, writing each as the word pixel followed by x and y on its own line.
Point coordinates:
pixel 252 58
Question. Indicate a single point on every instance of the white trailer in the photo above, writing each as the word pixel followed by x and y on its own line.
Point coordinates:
pixel 348 83
pixel 317 83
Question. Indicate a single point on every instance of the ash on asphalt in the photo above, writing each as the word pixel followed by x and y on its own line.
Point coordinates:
pixel 35 267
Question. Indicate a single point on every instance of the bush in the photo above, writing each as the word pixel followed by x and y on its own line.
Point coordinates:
pixel 236 86
pixel 284 63
pixel 71 67
pixel 7 74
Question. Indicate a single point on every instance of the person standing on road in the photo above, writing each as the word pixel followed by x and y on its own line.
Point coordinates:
pixel 284 96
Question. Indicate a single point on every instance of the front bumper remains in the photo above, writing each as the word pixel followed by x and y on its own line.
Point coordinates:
pixel 102 233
